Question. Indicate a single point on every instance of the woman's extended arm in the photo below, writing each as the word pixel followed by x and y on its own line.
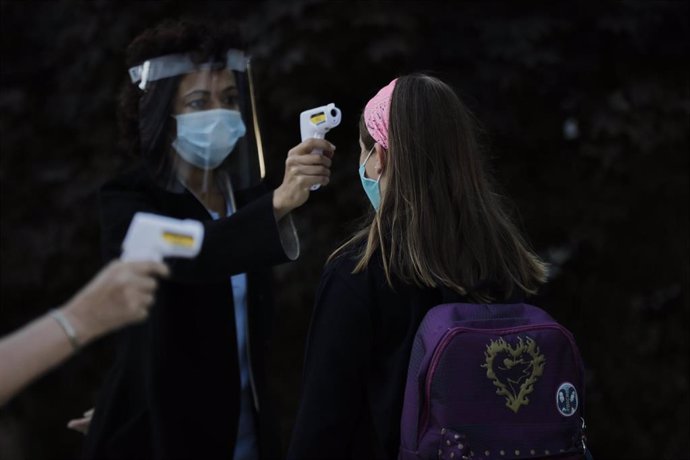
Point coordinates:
pixel 248 240
pixel 118 295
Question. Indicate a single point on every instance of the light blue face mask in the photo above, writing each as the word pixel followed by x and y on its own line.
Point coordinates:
pixel 206 138
pixel 371 186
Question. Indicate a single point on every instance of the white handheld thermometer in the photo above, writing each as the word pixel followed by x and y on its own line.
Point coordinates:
pixel 316 123
pixel 152 237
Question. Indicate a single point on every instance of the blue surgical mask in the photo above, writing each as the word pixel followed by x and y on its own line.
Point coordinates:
pixel 206 138
pixel 371 186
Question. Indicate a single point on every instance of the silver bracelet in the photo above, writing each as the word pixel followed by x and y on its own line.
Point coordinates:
pixel 67 327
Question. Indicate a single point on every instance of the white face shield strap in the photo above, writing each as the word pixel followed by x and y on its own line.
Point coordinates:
pixel 178 64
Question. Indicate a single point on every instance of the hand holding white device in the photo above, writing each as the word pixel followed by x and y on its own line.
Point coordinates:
pixel 151 237
pixel 316 123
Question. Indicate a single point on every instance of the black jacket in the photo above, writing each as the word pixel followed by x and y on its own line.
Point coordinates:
pixel 173 391
pixel 356 362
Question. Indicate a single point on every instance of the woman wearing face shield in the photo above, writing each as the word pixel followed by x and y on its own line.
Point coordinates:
pixel 189 383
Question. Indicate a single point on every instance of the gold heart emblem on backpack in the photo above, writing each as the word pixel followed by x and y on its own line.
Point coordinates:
pixel 514 369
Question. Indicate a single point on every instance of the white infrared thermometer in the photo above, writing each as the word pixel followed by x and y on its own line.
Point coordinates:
pixel 315 123
pixel 153 237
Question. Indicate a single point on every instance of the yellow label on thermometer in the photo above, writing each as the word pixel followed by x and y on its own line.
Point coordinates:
pixel 318 118
pixel 178 239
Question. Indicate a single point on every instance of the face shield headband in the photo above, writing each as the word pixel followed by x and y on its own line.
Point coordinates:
pixel 172 65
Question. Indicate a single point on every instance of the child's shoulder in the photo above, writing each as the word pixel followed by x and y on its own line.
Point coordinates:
pixel 346 259
pixel 343 268
pixel 343 261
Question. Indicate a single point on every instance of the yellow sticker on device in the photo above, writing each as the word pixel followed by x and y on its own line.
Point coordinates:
pixel 179 239
pixel 318 118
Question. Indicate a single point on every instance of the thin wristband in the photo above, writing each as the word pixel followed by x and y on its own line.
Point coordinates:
pixel 67 327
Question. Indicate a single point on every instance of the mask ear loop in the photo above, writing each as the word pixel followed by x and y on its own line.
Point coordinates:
pixel 367 159
pixel 368 155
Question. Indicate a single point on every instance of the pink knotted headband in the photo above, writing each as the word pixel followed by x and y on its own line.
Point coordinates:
pixel 377 114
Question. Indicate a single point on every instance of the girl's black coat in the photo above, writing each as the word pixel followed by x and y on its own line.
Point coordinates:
pixel 173 391
pixel 356 362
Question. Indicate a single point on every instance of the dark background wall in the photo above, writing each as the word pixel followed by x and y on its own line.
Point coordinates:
pixel 586 111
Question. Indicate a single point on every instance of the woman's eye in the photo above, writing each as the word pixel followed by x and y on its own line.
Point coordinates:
pixel 230 101
pixel 197 104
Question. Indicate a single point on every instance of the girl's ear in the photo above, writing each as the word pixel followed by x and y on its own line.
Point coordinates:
pixel 381 158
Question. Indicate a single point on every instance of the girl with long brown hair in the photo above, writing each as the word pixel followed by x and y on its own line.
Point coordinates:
pixel 440 233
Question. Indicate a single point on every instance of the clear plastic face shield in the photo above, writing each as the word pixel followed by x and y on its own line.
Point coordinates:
pixel 197 122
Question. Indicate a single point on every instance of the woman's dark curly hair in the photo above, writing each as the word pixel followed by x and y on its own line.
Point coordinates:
pixel 146 127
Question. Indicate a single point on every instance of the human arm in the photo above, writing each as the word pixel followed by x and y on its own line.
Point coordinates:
pixel 120 294
pixel 302 170
pixel 246 240
pixel 250 239
pixel 336 368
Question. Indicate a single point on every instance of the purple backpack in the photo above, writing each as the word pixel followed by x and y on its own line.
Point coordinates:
pixel 493 382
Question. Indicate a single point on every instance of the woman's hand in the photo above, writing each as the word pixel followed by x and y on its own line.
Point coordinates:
pixel 120 294
pixel 302 170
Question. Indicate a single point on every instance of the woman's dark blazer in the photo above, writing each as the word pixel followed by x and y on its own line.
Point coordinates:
pixel 173 391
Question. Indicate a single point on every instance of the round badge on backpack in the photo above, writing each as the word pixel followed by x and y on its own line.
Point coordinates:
pixel 566 399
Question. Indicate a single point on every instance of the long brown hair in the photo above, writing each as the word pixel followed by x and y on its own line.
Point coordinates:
pixel 440 222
